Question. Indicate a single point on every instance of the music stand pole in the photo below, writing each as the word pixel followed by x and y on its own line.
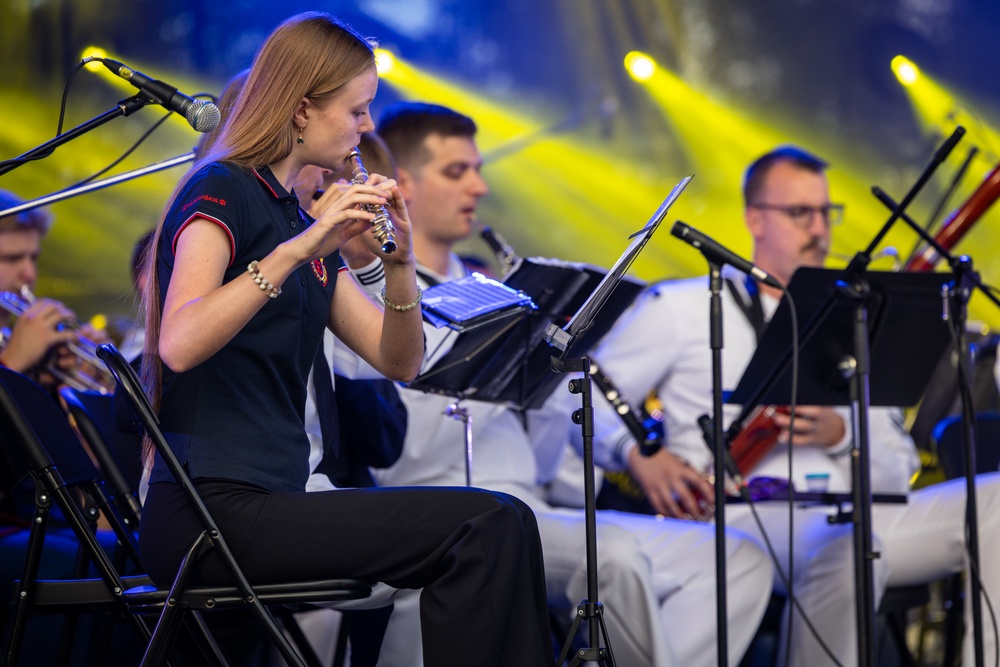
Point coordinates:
pixel 718 445
pixel 958 297
pixel 966 280
pixel 590 609
pixel 858 370
pixel 461 413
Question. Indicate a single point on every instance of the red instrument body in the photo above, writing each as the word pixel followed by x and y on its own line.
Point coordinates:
pixel 960 222
pixel 757 438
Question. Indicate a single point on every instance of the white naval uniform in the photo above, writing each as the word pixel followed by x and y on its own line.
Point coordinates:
pixel 656 580
pixel 662 343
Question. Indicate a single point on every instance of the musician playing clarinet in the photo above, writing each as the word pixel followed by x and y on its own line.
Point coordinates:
pixel 657 594
pixel 662 344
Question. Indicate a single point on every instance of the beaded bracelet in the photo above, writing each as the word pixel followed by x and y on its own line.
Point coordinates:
pixel 262 282
pixel 409 306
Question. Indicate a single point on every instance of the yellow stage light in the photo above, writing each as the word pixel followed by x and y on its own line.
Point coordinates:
pixel 905 70
pixel 384 62
pixel 640 66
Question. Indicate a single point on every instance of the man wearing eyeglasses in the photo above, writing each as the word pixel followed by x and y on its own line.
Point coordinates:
pixel 662 345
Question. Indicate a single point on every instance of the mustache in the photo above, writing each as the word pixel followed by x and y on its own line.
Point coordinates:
pixel 816 243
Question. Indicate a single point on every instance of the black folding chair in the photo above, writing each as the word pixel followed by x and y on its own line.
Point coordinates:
pixel 181 596
pixel 117 453
pixel 39 443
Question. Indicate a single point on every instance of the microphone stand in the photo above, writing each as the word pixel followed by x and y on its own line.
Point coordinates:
pixel 956 312
pixel 853 285
pixel 125 107
pixel 97 185
pixel 715 337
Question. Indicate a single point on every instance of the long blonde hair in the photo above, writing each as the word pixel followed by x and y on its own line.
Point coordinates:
pixel 311 55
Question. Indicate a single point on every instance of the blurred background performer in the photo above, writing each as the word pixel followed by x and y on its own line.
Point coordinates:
pixel 655 587
pixel 662 345
pixel 36 337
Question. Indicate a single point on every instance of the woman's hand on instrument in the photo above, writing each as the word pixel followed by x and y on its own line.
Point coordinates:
pixel 814 426
pixel 673 487
pixel 342 205
pixel 341 217
pixel 36 331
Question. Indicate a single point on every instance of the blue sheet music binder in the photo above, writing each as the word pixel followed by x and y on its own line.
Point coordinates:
pixel 471 302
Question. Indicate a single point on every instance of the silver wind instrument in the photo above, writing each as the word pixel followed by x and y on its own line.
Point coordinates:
pixel 83 348
pixel 382 228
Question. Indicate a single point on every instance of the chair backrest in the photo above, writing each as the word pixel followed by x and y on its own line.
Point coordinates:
pixel 33 418
pixel 118 453
pixel 211 536
pixel 950 444
pixel 39 441
pixel 45 446
pixel 129 383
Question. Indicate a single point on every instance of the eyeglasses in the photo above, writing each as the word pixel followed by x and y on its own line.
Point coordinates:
pixel 802 215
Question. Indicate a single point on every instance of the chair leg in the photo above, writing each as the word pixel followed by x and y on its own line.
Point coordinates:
pixel 340 651
pixel 954 620
pixel 298 637
pixel 25 588
pixel 204 640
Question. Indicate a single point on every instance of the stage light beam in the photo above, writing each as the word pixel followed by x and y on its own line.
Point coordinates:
pixel 384 62
pixel 905 70
pixel 640 66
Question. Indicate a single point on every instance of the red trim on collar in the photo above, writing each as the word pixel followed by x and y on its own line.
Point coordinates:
pixel 264 181
pixel 220 223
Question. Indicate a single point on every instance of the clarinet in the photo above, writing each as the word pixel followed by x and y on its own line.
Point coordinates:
pixel 503 251
pixel 645 428
pixel 382 228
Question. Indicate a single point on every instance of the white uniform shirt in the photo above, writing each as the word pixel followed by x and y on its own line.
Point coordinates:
pixel 662 343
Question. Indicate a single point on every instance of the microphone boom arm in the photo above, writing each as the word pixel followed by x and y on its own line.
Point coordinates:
pixel 97 185
pixel 125 107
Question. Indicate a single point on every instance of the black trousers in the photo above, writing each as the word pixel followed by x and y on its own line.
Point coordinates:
pixel 476 555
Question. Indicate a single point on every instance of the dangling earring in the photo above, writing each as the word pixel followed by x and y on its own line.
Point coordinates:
pixel 299 140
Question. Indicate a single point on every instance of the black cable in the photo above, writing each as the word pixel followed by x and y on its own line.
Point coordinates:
pixel 789 585
pixel 964 375
pixel 62 114
pixel 792 599
pixel 134 146
pixel 65 95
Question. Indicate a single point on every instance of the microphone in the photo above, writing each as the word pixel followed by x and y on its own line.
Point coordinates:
pixel 715 251
pixel 202 116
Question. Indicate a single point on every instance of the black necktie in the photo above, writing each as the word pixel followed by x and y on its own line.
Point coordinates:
pixel 754 311
pixel 326 406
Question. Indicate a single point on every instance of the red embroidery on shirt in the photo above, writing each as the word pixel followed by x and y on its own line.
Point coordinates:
pixel 319 269
pixel 220 202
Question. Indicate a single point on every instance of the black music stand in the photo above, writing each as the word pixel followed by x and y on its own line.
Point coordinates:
pixel 859 347
pixel 500 355
pixel 567 339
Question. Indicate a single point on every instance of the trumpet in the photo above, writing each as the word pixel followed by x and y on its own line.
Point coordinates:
pixel 382 228
pixel 83 348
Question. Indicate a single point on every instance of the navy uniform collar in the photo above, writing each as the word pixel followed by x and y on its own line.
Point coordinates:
pixel 267 177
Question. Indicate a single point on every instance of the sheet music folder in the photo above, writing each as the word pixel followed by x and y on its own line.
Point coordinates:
pixel 907 336
pixel 507 360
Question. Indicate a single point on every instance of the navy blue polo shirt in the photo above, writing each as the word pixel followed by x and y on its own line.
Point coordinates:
pixel 239 414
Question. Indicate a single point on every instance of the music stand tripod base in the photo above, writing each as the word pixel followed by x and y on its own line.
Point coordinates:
pixel 589 609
